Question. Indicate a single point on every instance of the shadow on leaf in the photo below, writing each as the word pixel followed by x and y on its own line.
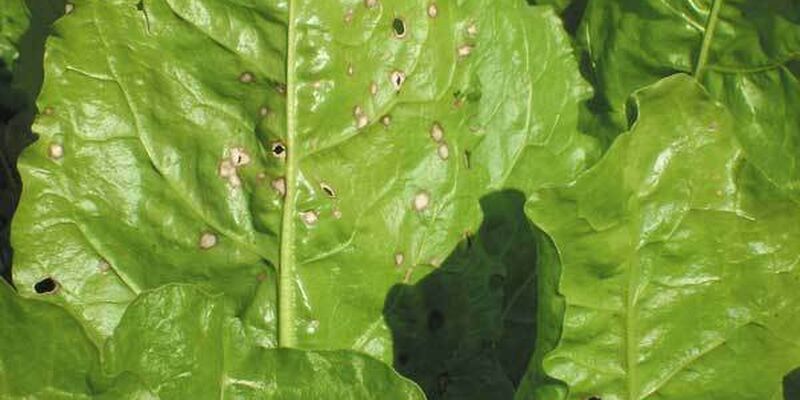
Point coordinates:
pixel 467 330
pixel 19 85
pixel 791 385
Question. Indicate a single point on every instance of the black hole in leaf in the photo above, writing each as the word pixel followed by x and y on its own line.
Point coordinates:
pixel 594 398
pixel 435 320
pixel 140 5
pixel 46 285
pixel 278 149
pixel 328 190
pixel 399 27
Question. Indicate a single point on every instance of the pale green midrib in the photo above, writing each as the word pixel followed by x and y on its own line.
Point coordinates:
pixel 286 337
pixel 708 36
pixel 631 347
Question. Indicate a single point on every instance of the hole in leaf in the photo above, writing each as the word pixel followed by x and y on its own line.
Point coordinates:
pixel 328 190
pixel 140 5
pixel 435 320
pixel 399 27
pixel 397 78
pixel 278 150
pixel 46 285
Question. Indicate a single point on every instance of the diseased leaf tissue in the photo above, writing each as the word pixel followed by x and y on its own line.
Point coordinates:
pixel 361 199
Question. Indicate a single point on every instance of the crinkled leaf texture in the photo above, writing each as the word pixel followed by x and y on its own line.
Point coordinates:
pixel 175 342
pixel 744 52
pixel 680 262
pixel 300 157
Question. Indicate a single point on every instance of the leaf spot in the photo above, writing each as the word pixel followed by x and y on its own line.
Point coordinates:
pixel 247 77
pixel 278 149
pixel 68 8
pixel 437 132
pixel 226 169
pixel 46 286
pixel 337 214
pixel 55 151
pixel 472 30
pixel 103 266
pixel 348 16
pixel 279 184
pixel 350 70
pixel 312 327
pixel 399 27
pixel 328 190
pixel 386 120
pixel 239 157
pixel 207 240
pixel 309 217
pixel 421 201
pixel 264 112
pixel 399 258
pixel 397 78
pixel 361 118
pixel 373 88
pixel 370 3
pixel 433 10
pixel 49 111
pixel 443 151
pixel 465 50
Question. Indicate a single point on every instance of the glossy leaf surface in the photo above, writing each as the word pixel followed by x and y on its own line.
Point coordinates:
pixel 173 343
pixel 744 52
pixel 172 129
pixel 680 269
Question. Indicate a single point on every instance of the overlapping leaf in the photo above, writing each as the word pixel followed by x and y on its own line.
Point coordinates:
pixel 172 343
pixel 744 52
pixel 159 159
pixel 680 262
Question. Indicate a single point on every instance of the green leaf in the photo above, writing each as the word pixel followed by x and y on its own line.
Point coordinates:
pixel 742 51
pixel 14 20
pixel 171 127
pixel 23 30
pixel 680 262
pixel 172 343
pixel 467 330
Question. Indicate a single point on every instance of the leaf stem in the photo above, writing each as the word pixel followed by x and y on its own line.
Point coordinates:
pixel 708 36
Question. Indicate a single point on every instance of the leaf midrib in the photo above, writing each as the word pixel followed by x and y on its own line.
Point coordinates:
pixel 708 37
pixel 286 261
